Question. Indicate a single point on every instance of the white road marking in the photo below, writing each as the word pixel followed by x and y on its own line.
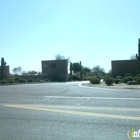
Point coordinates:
pixel 98 98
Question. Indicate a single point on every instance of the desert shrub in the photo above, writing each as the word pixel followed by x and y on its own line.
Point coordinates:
pixel 116 81
pixel 35 80
pixel 121 81
pixel 17 79
pixel 75 78
pixel 138 80
pixel 21 81
pixel 85 78
pixel 127 74
pixel 41 81
pixel 131 83
pixel 47 80
pixel 126 79
pixel 119 77
pixel 109 81
pixel 99 77
pixel 10 81
pixel 135 78
pixel 30 80
pixel 95 81
pixel 61 80
pixel 69 79
pixel 3 81
pixel 106 77
pixel 130 78
pixel 54 79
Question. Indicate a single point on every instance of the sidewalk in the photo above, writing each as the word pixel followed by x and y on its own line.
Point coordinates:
pixel 114 86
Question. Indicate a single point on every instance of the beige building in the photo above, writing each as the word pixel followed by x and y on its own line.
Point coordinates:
pixel 55 69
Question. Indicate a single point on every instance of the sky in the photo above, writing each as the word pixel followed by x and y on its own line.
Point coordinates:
pixel 94 32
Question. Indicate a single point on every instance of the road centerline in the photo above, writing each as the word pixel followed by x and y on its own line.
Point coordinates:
pixel 72 112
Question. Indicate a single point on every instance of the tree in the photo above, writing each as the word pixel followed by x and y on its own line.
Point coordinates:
pixel 76 67
pixel 39 73
pixel 61 57
pixel 17 70
pixel 133 57
pixel 98 71
pixel 25 73
pixel 32 72
pixel 109 73
pixel 71 71
pixel 86 70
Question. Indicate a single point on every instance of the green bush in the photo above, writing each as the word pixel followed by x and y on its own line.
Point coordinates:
pixel 95 81
pixel 75 78
pixel 130 78
pixel 99 77
pixel 109 81
pixel 138 80
pixel 106 77
pixel 17 79
pixel 85 78
pixel 69 79
pixel 35 80
pixel 47 80
pixel 127 74
pixel 10 81
pixel 54 79
pixel 60 80
pixel 126 79
pixel 135 78
pixel 119 77
pixel 21 81
pixel 3 81
pixel 138 75
pixel 30 80
pixel 116 81
pixel 131 83
pixel 41 81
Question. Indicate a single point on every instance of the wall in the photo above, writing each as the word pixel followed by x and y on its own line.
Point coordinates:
pixel 6 73
pixel 121 67
pixel 55 69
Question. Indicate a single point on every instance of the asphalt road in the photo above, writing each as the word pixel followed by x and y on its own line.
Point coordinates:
pixel 67 111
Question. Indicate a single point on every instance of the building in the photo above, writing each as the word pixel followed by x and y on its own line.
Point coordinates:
pixel 121 67
pixel 55 69
pixel 6 71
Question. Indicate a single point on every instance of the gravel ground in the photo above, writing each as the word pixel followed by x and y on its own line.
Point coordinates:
pixel 114 86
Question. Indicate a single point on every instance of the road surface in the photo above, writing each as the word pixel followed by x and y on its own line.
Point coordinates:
pixel 67 111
